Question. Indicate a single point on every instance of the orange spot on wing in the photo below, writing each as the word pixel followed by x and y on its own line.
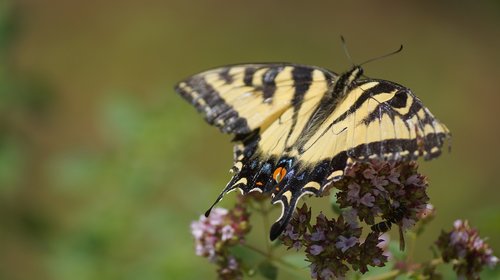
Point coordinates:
pixel 279 174
pixel 276 173
pixel 259 183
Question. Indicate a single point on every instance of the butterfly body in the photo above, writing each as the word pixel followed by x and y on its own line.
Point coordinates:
pixel 296 126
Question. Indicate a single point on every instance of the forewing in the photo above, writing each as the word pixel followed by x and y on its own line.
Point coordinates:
pixel 242 98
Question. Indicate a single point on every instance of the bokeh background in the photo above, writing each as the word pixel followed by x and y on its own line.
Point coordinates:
pixel 103 166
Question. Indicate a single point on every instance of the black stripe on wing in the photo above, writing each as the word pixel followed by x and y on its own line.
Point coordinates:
pixel 207 101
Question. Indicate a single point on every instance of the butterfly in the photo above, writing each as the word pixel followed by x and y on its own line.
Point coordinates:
pixel 296 127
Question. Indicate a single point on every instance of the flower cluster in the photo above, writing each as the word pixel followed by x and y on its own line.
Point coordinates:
pixel 466 250
pixel 393 191
pixel 332 244
pixel 219 231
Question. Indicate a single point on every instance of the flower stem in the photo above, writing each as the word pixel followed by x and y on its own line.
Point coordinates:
pixel 413 238
pixel 388 275
pixel 292 269
pixel 276 261
pixel 435 262
pixel 393 273
pixel 255 249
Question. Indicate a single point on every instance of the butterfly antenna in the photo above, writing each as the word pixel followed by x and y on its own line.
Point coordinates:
pixel 383 56
pixel 344 46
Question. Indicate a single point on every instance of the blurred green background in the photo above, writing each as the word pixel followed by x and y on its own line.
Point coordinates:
pixel 103 165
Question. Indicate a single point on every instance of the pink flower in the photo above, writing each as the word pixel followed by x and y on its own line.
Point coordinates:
pixel 415 180
pixel 198 228
pixel 353 193
pixel 376 261
pixel 327 274
pixel 367 200
pixel 379 182
pixel 345 243
pixel 492 261
pixel 232 263
pixel 385 239
pixel 394 176
pixel 316 249
pixel 351 217
pixel 369 173
pixel 458 224
pixel 318 235
pixel 290 232
pixel 459 237
pixel 217 216
pixel 227 232
pixel 297 245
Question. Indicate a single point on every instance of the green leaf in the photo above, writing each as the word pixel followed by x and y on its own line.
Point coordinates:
pixel 249 257
pixel 333 202
pixel 11 165
pixel 296 260
pixel 395 251
pixel 276 243
pixel 489 273
pixel 375 270
pixel 268 270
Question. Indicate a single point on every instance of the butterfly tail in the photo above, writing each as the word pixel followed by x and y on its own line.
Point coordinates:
pixel 279 226
pixel 239 181
pixel 230 187
pixel 219 198
pixel 288 201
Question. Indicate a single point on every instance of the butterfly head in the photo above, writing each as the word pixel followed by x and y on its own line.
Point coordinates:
pixel 347 80
pixel 354 74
